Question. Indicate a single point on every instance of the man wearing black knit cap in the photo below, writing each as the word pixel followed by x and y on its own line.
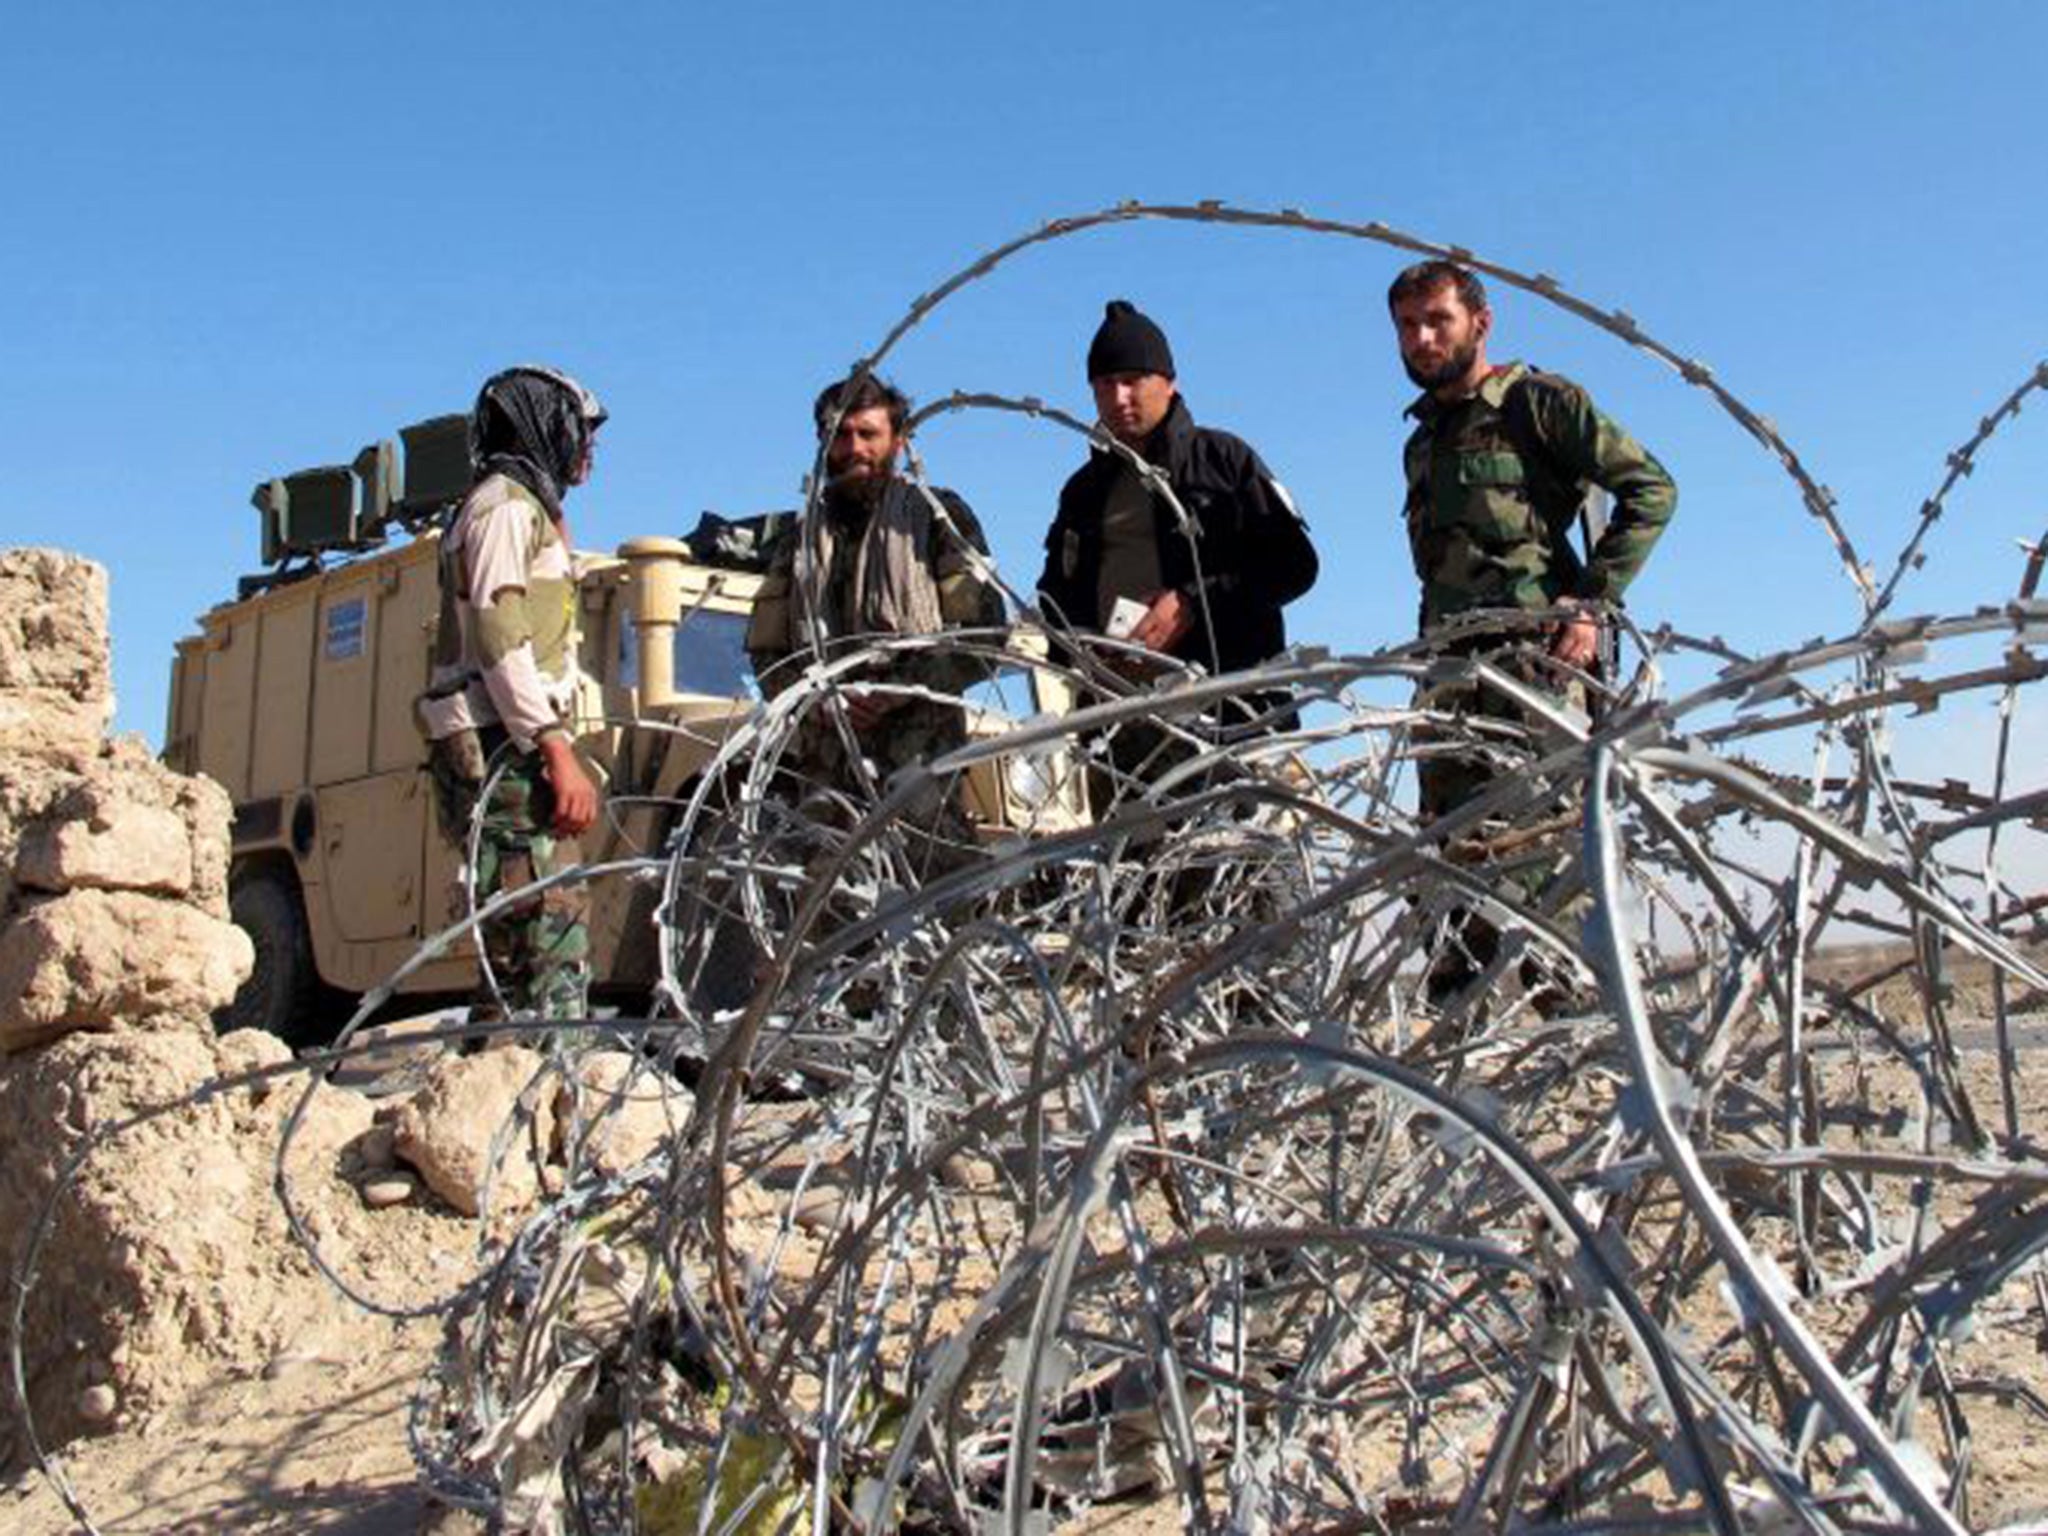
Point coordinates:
pixel 1118 559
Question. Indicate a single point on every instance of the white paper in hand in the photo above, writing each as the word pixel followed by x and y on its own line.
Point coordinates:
pixel 1124 617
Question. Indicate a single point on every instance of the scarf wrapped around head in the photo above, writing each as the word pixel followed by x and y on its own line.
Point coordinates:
pixel 532 424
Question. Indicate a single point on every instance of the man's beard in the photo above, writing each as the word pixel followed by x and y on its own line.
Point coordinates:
pixel 1448 372
pixel 857 486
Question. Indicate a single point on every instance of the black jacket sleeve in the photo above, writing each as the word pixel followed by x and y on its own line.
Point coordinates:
pixel 1273 561
pixel 1066 598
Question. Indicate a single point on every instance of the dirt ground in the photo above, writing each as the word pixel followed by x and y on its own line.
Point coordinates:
pixel 312 1437
pixel 315 1440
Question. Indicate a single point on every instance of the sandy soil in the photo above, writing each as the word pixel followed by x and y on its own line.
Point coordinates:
pixel 312 1437
pixel 315 1440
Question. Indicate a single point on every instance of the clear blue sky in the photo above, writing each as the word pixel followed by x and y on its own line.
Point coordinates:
pixel 244 239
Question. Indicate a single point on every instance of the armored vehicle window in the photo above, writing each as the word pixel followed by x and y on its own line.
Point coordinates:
pixel 710 655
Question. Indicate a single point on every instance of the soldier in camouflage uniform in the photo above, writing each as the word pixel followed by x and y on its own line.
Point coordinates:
pixel 879 559
pixel 1498 467
pixel 503 682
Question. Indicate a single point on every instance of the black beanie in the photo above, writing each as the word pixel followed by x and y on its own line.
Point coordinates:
pixel 1128 342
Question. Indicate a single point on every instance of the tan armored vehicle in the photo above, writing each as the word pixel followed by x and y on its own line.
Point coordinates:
pixel 298 698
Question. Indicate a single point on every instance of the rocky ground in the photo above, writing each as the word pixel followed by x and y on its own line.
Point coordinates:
pixel 312 1440
pixel 311 1436
pixel 297 1421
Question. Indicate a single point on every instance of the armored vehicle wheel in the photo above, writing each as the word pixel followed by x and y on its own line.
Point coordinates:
pixel 282 993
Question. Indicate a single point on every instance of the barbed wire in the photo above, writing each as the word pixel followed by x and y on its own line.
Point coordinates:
pixel 1153 1019
pixel 1076 1114
pixel 1961 463
pixel 1819 501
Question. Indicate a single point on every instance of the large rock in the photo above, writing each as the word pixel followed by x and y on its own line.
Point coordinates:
pixel 99 960
pixel 123 847
pixel 54 691
pixel 153 1273
pixel 49 725
pixel 449 1128
pixel 113 869
pixel 165 1258
pixel 250 1050
pixel 29 786
pixel 613 1111
pixel 117 820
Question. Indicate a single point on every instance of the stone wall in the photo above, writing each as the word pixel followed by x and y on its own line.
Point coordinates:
pixel 115 949
pixel 113 869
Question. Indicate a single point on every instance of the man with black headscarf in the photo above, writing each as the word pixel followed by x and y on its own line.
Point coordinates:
pixel 504 675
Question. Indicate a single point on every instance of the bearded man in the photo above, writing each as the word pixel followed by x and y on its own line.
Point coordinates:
pixel 1499 466
pixel 883 557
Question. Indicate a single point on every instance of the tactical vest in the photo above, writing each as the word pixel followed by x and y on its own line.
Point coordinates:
pixel 546 615
pixel 1489 513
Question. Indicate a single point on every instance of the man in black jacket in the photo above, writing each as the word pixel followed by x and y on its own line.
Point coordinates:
pixel 1119 561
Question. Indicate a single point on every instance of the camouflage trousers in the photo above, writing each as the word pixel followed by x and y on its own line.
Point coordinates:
pixel 1445 782
pixel 932 824
pixel 538 948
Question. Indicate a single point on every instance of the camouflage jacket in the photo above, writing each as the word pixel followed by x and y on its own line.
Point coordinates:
pixel 1495 483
